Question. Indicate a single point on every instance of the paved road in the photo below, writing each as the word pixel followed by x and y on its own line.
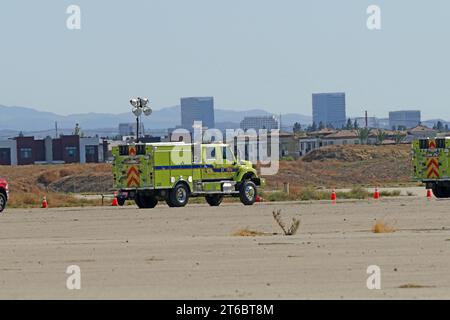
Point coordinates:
pixel 191 252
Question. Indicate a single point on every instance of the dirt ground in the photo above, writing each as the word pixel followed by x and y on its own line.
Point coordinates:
pixel 191 252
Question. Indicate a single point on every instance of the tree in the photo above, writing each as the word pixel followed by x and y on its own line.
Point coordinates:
pixel 381 136
pixel 349 125
pixel 355 125
pixel 446 127
pixel 297 127
pixel 77 131
pixel 363 135
pixel 439 126
pixel 399 137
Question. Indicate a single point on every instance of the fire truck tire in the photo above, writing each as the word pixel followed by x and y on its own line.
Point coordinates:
pixel 214 200
pixel 2 202
pixel 441 192
pixel 121 201
pixel 178 196
pixel 145 202
pixel 247 193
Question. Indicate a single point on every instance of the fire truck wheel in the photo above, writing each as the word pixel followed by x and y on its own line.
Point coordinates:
pixel 145 202
pixel 2 202
pixel 247 193
pixel 121 201
pixel 178 196
pixel 214 200
pixel 441 192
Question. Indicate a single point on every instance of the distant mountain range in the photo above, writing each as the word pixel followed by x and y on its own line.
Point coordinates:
pixel 33 122
pixel 14 119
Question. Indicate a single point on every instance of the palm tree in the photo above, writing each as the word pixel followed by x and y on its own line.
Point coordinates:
pixel 399 137
pixel 363 135
pixel 381 136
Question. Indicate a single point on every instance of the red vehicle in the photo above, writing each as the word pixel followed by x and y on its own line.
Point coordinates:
pixel 4 192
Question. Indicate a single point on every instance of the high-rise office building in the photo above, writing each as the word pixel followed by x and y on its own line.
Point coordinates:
pixel 329 109
pixel 406 118
pixel 257 123
pixel 129 129
pixel 197 109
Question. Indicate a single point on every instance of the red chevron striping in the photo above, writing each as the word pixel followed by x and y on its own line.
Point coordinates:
pixel 132 151
pixel 133 170
pixel 133 182
pixel 433 162
pixel 433 173
pixel 432 144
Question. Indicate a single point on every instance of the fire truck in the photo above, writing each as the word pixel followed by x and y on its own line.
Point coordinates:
pixel 4 192
pixel 173 172
pixel 431 164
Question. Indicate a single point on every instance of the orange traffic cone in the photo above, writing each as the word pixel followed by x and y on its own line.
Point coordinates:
pixel 428 194
pixel 333 196
pixel 44 202
pixel 114 202
pixel 376 194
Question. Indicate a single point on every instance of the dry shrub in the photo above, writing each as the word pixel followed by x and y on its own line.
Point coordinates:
pixel 413 286
pixel 382 227
pixel 248 233
pixel 48 177
pixel 55 200
pixel 64 172
pixel 292 229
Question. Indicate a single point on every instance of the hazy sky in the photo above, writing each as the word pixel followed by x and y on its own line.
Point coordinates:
pixel 246 53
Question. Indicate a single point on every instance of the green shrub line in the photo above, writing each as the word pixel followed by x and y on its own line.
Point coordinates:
pixel 309 193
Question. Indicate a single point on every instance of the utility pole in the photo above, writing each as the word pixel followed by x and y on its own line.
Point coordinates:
pixel 56 129
pixel 367 120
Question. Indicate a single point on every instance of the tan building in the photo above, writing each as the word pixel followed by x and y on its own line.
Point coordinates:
pixel 422 132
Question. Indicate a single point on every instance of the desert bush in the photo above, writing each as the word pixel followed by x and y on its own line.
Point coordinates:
pixel 382 227
pixel 277 196
pixel 64 172
pixel 293 228
pixel 393 193
pixel 355 193
pixel 248 233
pixel 55 200
pixel 48 177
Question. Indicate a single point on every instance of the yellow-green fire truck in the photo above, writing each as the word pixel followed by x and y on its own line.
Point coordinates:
pixel 431 164
pixel 175 171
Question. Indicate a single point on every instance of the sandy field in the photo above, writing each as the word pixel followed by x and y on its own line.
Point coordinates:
pixel 192 252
